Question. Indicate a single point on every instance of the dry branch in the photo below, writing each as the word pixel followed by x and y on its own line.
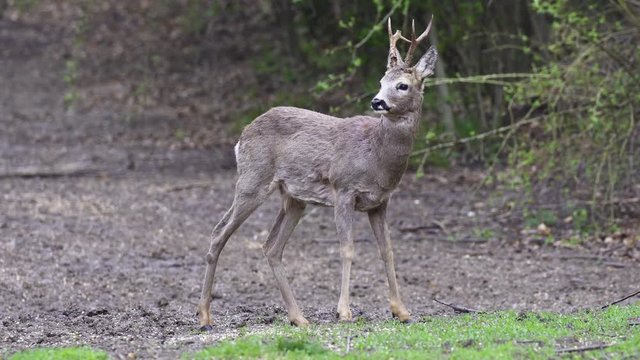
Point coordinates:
pixel 476 137
pixel 188 186
pixel 432 225
pixel 583 348
pixel 458 308
pixel 64 170
pixel 621 299
pixel 603 259
pixel 507 128
pixel 483 79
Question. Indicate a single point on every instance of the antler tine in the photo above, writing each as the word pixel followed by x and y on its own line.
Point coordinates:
pixel 394 56
pixel 393 37
pixel 426 32
pixel 413 29
pixel 415 41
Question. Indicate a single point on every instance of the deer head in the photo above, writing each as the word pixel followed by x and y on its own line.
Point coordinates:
pixel 402 85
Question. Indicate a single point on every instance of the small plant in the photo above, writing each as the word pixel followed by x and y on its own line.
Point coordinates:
pixel 581 221
pixel 537 217
pixel 70 76
pixel 485 233
pixel 572 241
pixel 24 5
pixel 180 134
pixel 197 16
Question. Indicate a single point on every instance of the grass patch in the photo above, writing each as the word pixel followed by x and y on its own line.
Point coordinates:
pixel 70 353
pixel 499 335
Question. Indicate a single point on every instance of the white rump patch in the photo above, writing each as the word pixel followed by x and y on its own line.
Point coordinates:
pixel 236 148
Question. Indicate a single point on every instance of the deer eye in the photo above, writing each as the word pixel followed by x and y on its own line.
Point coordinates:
pixel 402 86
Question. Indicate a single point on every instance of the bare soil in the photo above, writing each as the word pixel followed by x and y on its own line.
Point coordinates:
pixel 103 234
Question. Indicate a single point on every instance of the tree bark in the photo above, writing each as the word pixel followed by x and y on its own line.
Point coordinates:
pixel 443 90
pixel 285 17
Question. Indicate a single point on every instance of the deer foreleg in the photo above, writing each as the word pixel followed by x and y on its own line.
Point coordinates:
pixel 377 219
pixel 344 209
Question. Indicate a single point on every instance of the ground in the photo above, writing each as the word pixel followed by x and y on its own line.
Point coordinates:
pixel 104 234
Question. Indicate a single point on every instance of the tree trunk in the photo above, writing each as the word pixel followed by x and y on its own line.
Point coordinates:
pixel 443 90
pixel 285 18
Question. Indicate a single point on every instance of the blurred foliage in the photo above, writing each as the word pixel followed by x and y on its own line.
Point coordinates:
pixel 583 148
pixel 472 38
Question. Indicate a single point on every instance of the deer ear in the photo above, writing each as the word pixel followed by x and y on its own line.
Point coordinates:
pixel 427 63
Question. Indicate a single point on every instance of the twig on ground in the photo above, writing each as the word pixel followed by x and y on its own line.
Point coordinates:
pixel 583 348
pixel 536 342
pixel 458 308
pixel 442 226
pixel 582 257
pixel 622 299
pixel 188 186
pixel 615 264
pixel 614 248
pixel 335 240
pixel 601 259
pixel 469 241
pixel 433 224
pixel 470 253
pixel 65 170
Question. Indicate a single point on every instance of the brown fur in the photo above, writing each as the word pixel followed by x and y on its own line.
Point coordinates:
pixel 352 164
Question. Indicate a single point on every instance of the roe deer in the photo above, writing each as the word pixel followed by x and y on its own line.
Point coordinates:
pixel 352 164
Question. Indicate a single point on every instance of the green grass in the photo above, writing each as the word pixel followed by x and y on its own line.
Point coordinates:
pixel 500 335
pixel 71 353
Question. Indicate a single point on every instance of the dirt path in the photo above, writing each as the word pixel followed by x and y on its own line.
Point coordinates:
pixel 114 258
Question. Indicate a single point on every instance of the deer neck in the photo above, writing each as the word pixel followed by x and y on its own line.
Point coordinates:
pixel 396 135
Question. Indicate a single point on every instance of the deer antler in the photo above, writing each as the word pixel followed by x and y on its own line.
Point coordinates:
pixel 415 41
pixel 394 56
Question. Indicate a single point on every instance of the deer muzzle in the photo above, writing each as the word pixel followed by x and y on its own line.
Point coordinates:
pixel 379 105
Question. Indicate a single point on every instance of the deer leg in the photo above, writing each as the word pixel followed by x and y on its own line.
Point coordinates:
pixel 286 221
pixel 344 209
pixel 377 219
pixel 243 206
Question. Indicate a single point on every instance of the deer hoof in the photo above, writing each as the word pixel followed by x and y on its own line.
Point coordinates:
pixel 407 320
pixel 399 311
pixel 345 315
pixel 404 317
pixel 206 328
pixel 299 322
pixel 203 314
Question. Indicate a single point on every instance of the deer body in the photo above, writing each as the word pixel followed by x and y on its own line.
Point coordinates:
pixel 352 164
pixel 314 155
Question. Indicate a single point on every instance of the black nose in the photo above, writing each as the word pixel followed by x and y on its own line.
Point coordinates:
pixel 377 104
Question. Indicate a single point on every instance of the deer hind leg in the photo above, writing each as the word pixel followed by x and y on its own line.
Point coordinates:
pixel 344 209
pixel 377 219
pixel 287 219
pixel 244 203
